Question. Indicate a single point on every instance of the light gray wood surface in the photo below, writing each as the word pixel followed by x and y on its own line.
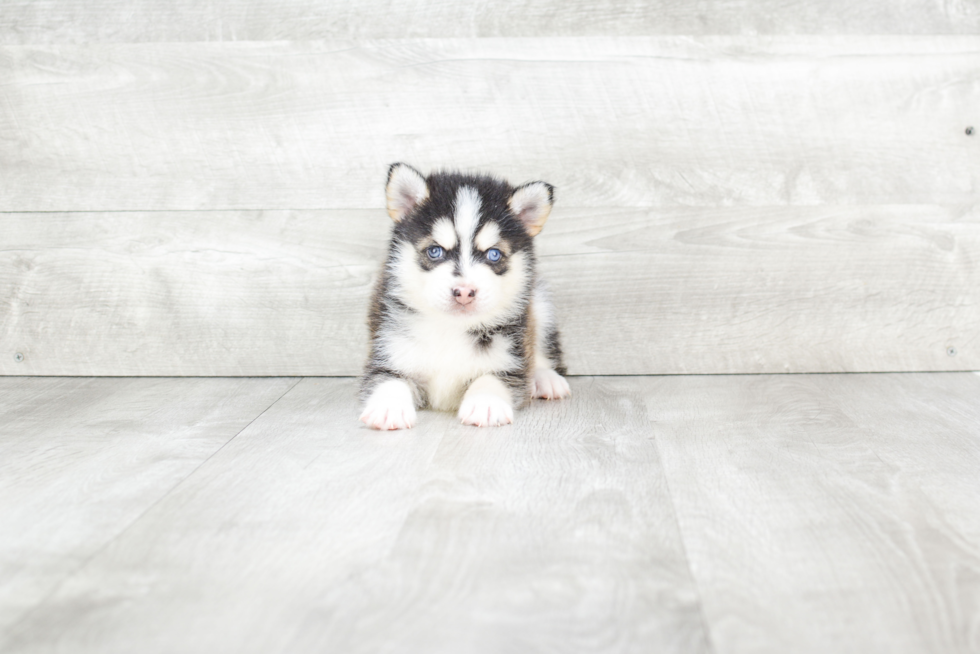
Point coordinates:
pixel 238 293
pixel 940 459
pixel 708 290
pixel 828 513
pixel 611 121
pixel 786 187
pixel 730 514
pixel 81 460
pixel 75 21
pixel 554 535
pixel 309 532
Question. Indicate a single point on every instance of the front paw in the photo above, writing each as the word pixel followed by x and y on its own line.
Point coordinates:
pixel 485 410
pixel 549 385
pixel 390 407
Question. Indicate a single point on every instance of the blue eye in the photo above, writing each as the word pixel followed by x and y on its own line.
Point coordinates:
pixel 434 252
pixel 493 255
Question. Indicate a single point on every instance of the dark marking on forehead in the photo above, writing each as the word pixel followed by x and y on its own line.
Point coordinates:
pixel 443 191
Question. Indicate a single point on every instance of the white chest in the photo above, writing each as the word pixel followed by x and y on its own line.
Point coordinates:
pixel 444 358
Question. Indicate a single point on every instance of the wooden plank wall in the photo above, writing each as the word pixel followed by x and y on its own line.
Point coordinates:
pixel 195 188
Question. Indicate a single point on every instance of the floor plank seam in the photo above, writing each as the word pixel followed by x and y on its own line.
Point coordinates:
pixel 54 590
pixel 680 532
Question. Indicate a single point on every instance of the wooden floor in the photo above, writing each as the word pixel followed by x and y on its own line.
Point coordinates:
pixel 794 513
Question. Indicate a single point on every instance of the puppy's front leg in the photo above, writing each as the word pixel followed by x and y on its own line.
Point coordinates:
pixel 487 403
pixel 549 385
pixel 390 406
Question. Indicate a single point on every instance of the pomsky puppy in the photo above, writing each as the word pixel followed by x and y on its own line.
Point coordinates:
pixel 459 320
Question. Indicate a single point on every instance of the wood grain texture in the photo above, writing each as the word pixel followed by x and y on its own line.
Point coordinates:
pixel 237 293
pixel 310 533
pixel 233 557
pixel 809 510
pixel 101 21
pixel 82 459
pixel 939 458
pixel 611 121
pixel 790 513
pixel 815 289
pixel 724 290
pixel 554 535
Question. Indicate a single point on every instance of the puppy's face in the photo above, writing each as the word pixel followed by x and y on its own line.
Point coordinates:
pixel 461 246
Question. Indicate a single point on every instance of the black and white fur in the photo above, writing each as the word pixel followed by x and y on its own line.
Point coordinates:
pixel 471 330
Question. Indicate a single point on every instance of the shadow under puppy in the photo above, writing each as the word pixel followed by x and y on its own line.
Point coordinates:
pixel 459 319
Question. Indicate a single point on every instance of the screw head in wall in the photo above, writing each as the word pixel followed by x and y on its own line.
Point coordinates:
pixel 18 357
pixel 951 351
pixel 969 131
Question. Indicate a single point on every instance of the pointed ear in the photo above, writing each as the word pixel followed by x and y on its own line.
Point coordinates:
pixel 532 204
pixel 405 190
